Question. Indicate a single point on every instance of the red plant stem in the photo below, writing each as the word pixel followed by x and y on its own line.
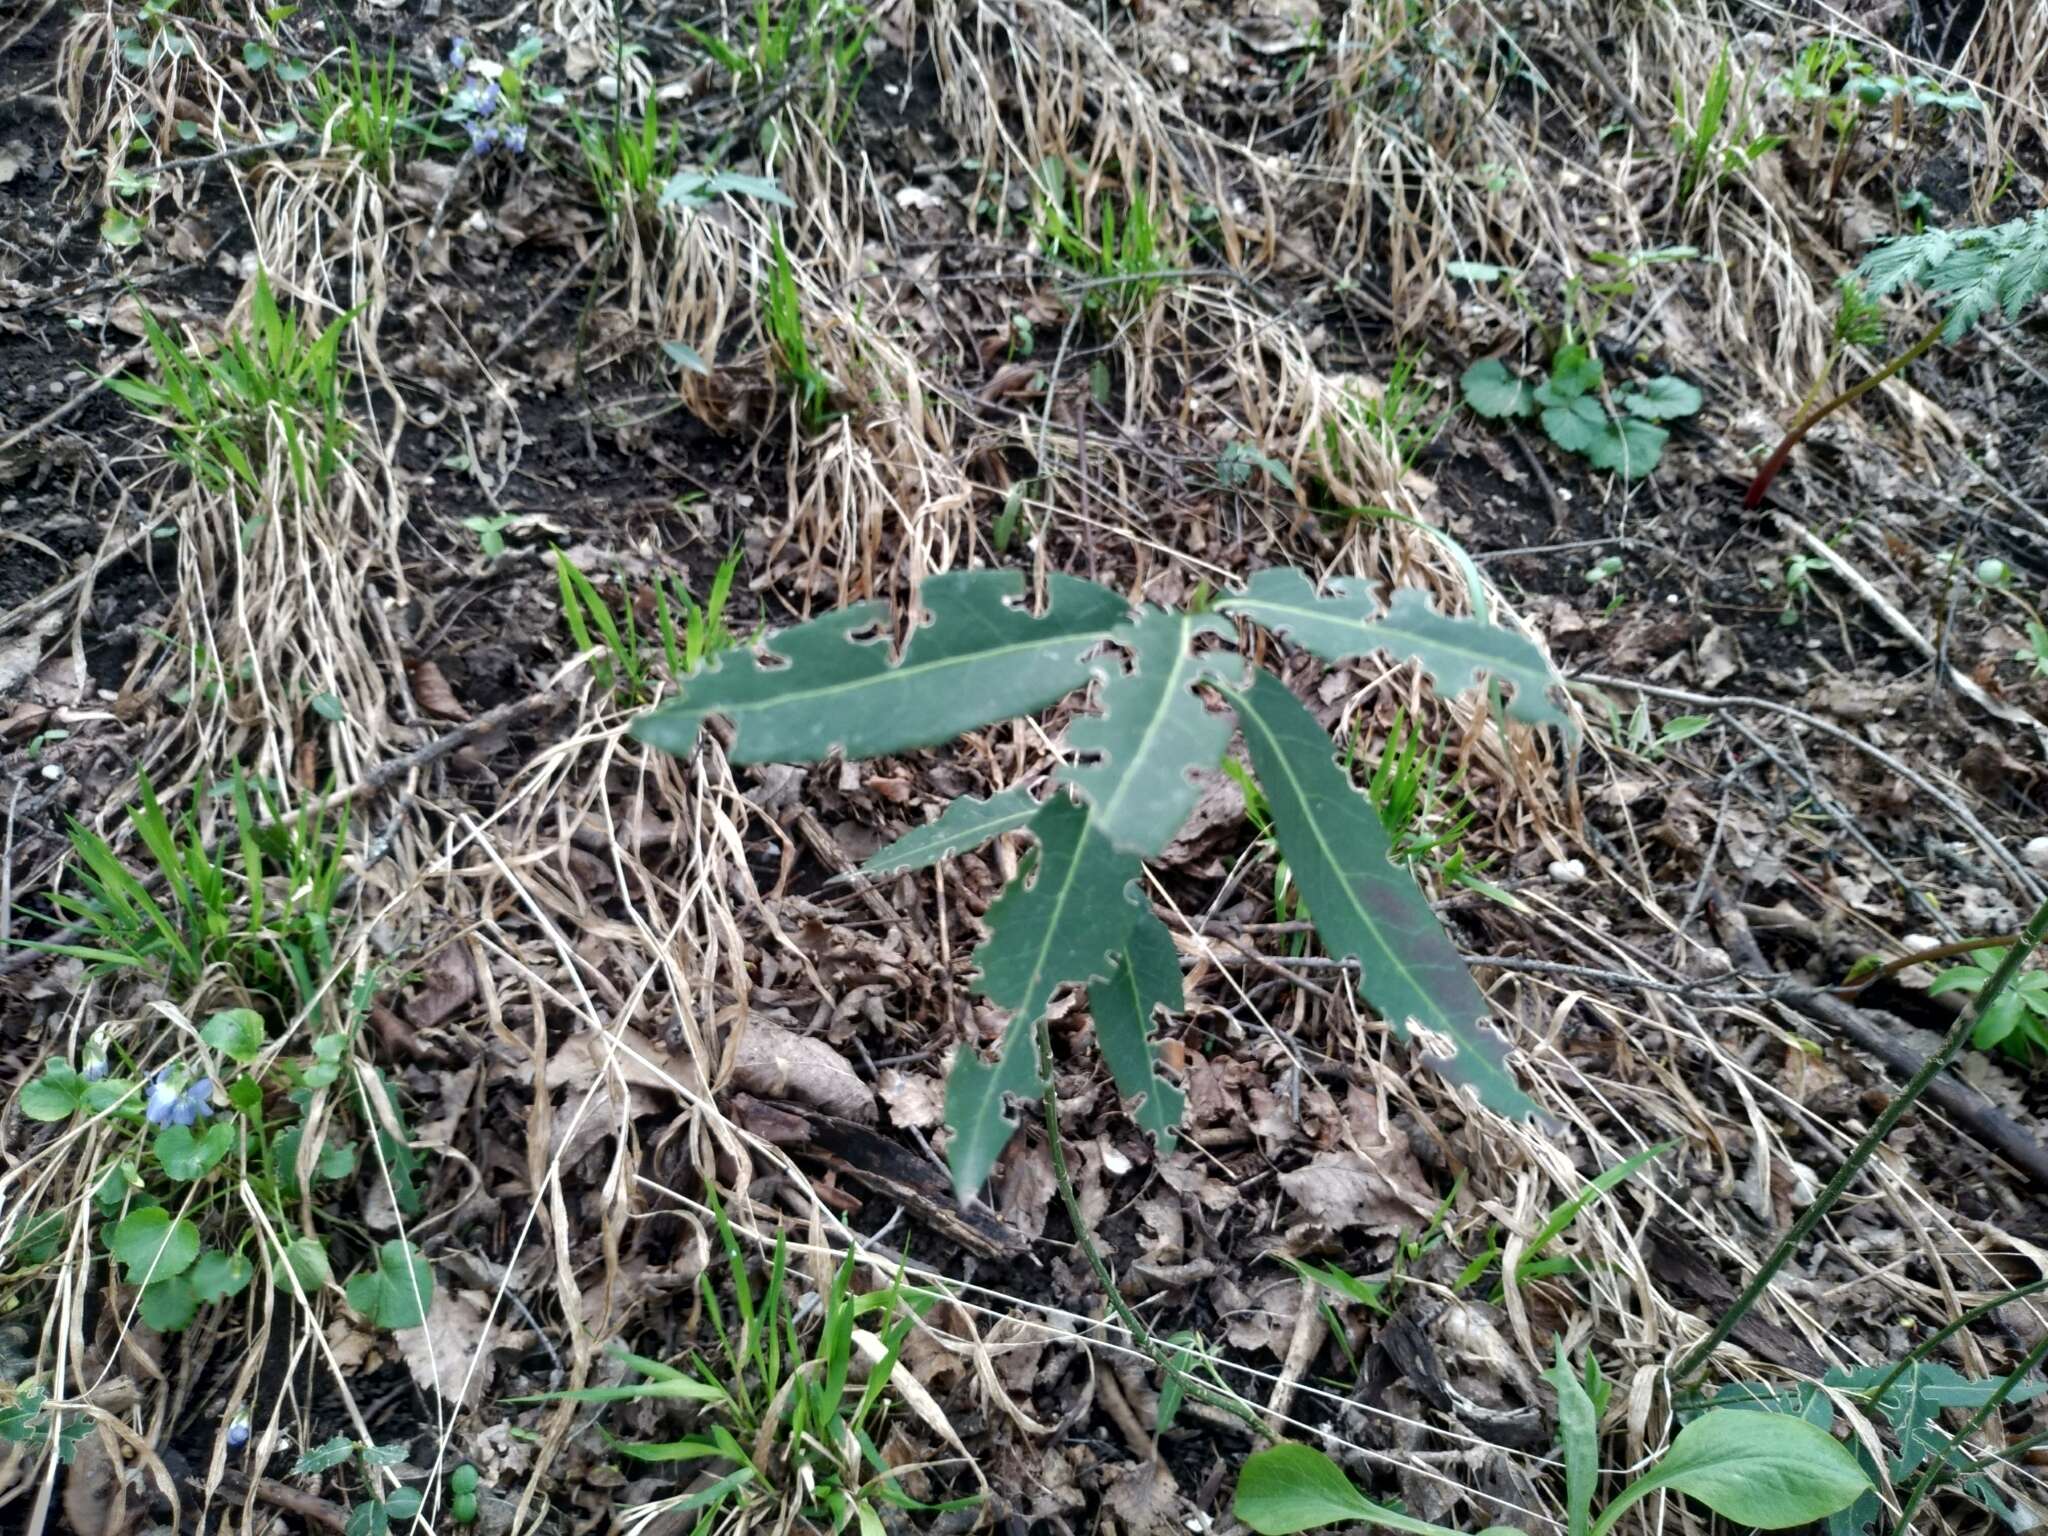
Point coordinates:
pixel 1797 433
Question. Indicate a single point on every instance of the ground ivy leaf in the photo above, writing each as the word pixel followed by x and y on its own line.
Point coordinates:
pixel 1366 906
pixel 977 659
pixel 1574 371
pixel 1147 978
pixel 397 1292
pixel 1661 399
pixel 1348 622
pixel 55 1095
pixel 1576 423
pixel 1628 445
pixel 1492 391
pixel 966 823
pixel 303 1259
pixel 1064 918
pixel 152 1245
pixel 1153 731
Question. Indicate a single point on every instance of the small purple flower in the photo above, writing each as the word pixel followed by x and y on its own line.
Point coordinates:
pixel 172 1102
pixel 515 138
pixel 483 136
pixel 238 1431
pixel 95 1067
pixel 458 52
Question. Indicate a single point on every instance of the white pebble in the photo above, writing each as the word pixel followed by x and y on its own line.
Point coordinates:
pixel 1567 872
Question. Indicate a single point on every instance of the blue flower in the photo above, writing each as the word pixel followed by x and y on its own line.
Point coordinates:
pixel 515 138
pixel 238 1431
pixel 483 136
pixel 458 52
pixel 95 1060
pixel 173 1102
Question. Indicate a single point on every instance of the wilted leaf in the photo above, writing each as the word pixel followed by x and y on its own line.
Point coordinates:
pixel 778 1064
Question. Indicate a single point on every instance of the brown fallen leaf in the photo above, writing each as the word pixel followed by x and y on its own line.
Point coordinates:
pixel 430 688
pixel 916 1102
pixel 450 984
pixel 448 1355
pixel 776 1063
pixel 1381 1194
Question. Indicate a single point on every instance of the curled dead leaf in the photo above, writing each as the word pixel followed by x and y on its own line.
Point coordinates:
pixel 776 1063
pixel 430 688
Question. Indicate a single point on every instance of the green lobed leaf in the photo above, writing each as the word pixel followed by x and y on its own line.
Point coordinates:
pixel 978 659
pixel 397 1293
pixel 1140 753
pixel 1065 918
pixel 217 1276
pixel 1574 371
pixel 1348 622
pixel 1492 391
pixel 152 1245
pixel 1365 906
pixel 1628 445
pixel 966 823
pixel 1288 1488
pixel 1147 978
pixel 1660 399
pixel 1767 1470
pixel 1575 423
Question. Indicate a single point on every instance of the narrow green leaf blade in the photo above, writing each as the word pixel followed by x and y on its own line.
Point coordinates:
pixel 979 658
pixel 1139 753
pixel 1348 622
pixel 1064 919
pixel 1365 906
pixel 966 823
pixel 1579 1432
pixel 1147 978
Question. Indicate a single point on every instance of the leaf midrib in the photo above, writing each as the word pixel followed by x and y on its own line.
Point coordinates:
pixel 1371 927
pixel 895 673
pixel 1368 627
pixel 1183 660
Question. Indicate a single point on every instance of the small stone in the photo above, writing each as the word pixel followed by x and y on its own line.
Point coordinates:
pixel 1567 872
pixel 2036 853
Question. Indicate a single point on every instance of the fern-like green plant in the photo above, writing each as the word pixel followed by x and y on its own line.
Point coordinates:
pixel 1075 915
pixel 1970 274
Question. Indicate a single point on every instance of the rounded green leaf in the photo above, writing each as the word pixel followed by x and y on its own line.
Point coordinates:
pixel 1574 371
pixel 463 1479
pixel 153 1246
pixel 50 1098
pixel 1998 1021
pixel 217 1276
pixel 1629 445
pixel 397 1292
pixel 168 1305
pixel 1492 391
pixel 1576 424
pixel 1661 399
pixel 236 1033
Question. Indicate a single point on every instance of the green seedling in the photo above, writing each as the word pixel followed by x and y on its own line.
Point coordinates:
pixel 1239 460
pixel 785 1429
pixel 1624 436
pixel 1743 1466
pixel 628 167
pixel 689 633
pixel 1402 418
pixel 813 50
pixel 381 1508
pixel 1970 275
pixel 229 412
pixel 1123 264
pixel 789 344
pixel 256 914
pixel 367 110
pixel 1071 917
pixel 1699 137
pixel 2016 1022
